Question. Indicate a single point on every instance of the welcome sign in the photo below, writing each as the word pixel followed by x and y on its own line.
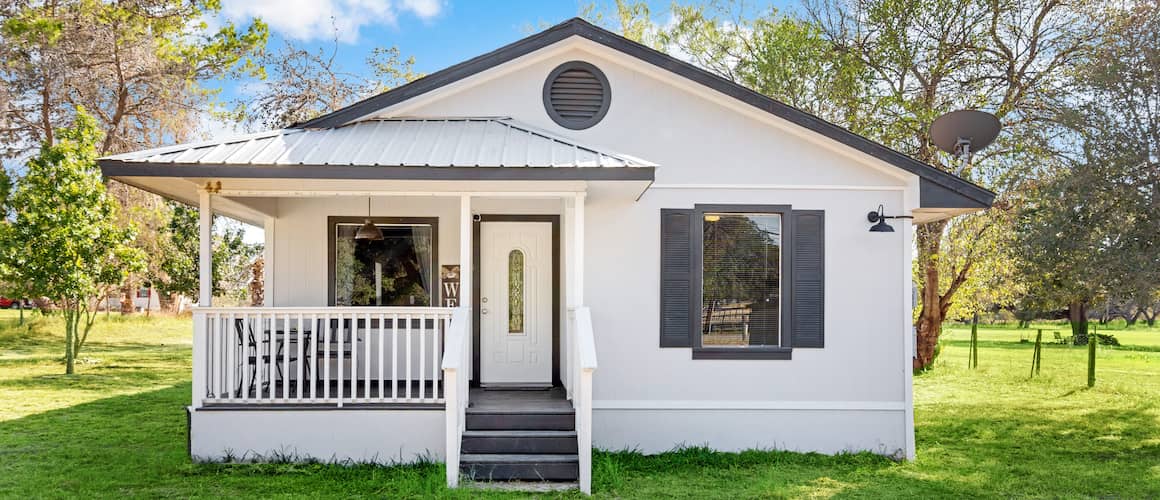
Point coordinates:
pixel 449 276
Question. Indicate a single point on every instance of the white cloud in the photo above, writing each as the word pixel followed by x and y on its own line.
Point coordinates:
pixel 324 19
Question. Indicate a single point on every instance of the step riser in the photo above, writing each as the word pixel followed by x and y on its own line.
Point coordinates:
pixel 521 422
pixel 519 445
pixel 521 472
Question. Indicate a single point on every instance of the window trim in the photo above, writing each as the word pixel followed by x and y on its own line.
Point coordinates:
pixel 333 221
pixel 696 283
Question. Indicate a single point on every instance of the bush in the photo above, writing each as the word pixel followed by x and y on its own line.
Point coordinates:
pixel 1105 339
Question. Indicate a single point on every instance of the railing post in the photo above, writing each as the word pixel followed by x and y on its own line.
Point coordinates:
pixel 584 430
pixel 199 358
pixel 451 395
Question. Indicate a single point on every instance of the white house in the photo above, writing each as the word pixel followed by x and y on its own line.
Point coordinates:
pixel 574 241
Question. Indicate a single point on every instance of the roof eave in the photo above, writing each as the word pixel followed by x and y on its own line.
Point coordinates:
pixel 115 169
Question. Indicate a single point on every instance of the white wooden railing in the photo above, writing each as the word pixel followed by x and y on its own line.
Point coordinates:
pixel 581 365
pixel 456 384
pixel 319 355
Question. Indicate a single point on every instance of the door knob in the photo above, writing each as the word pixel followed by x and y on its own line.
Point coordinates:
pixel 483 311
pixel 484 300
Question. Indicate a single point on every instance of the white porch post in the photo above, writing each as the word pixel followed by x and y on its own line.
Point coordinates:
pixel 205 296
pixel 205 249
pixel 465 251
pixel 577 250
pixel 268 263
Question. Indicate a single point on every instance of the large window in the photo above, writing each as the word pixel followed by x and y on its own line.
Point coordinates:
pixel 741 279
pixel 398 270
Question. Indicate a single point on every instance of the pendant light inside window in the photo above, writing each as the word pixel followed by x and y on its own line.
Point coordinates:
pixel 369 231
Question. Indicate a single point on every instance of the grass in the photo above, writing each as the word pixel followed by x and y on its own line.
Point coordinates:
pixel 118 429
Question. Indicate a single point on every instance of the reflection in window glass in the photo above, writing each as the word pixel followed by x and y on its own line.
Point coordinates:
pixel 395 271
pixel 741 280
pixel 516 291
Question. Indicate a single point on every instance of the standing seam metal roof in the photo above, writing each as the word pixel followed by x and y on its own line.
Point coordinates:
pixel 406 142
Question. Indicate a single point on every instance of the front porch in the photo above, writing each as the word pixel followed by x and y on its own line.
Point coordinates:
pixel 384 301
pixel 395 367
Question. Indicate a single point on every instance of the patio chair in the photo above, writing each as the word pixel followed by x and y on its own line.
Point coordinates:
pixel 248 344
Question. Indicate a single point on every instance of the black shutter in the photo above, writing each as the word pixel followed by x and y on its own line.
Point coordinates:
pixel 676 292
pixel 808 278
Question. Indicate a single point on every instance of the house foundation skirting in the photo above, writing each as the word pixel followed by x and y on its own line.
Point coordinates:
pixel 383 436
pixel 829 431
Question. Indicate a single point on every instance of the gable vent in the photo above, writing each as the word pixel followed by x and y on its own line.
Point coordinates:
pixel 576 95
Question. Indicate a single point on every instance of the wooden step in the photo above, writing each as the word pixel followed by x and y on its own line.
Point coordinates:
pixel 519 442
pixel 520 420
pixel 517 467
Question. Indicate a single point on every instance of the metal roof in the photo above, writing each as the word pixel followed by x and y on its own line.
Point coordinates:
pixel 398 142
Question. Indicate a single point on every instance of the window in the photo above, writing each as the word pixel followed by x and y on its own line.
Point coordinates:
pixel 739 296
pixel 515 292
pixel 740 279
pixel 399 270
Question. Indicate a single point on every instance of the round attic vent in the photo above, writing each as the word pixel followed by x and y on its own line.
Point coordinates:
pixel 576 95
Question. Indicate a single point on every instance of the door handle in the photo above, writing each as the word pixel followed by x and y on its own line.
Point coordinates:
pixel 483 311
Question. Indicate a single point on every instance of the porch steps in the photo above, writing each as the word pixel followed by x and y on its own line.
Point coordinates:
pixel 513 436
pixel 519 442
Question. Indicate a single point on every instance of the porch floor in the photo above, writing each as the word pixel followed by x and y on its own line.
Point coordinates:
pixel 261 395
pixel 518 400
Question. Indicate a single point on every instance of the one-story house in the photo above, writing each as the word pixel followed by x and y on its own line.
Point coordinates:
pixel 571 241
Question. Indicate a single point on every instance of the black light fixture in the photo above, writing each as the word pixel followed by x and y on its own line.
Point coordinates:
pixel 369 231
pixel 879 217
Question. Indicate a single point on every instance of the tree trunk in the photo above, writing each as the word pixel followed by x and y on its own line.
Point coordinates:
pixel 1077 315
pixel 128 292
pixel 69 334
pixel 933 312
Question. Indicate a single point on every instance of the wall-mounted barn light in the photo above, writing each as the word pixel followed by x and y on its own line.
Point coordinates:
pixel 879 217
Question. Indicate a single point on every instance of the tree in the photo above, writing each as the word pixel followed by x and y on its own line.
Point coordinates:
pixel 64 241
pixel 179 274
pixel 1091 233
pixel 304 84
pixel 136 65
pixel 232 257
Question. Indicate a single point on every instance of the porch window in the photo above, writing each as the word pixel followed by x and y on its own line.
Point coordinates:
pixel 399 270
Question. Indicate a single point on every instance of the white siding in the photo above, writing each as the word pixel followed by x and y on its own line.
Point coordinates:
pixel 850 395
pixel 341 436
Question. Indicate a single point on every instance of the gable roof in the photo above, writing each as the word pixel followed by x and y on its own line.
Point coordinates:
pixel 953 189
pixel 474 148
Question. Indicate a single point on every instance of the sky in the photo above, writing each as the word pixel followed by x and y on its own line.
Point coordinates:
pixel 437 33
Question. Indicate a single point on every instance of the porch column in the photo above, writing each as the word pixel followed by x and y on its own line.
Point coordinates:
pixel 268 263
pixel 465 251
pixel 205 249
pixel 577 250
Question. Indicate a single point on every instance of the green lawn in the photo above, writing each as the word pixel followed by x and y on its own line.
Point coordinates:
pixel 118 429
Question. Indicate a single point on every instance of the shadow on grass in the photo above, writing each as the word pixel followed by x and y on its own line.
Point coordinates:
pixel 135 445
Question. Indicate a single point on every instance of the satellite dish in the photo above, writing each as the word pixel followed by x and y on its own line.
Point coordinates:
pixel 965 131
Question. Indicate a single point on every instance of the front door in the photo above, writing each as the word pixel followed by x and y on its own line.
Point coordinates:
pixel 515 310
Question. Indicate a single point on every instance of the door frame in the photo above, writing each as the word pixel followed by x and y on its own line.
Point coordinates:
pixel 476 286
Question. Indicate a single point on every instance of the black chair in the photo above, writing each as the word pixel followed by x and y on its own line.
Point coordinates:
pixel 247 343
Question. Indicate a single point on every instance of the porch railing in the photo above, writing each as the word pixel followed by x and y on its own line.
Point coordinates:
pixel 581 365
pixel 456 379
pixel 319 355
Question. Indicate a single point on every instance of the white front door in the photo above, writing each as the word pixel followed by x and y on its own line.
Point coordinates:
pixel 515 310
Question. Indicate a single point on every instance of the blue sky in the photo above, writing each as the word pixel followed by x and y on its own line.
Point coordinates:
pixel 437 33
